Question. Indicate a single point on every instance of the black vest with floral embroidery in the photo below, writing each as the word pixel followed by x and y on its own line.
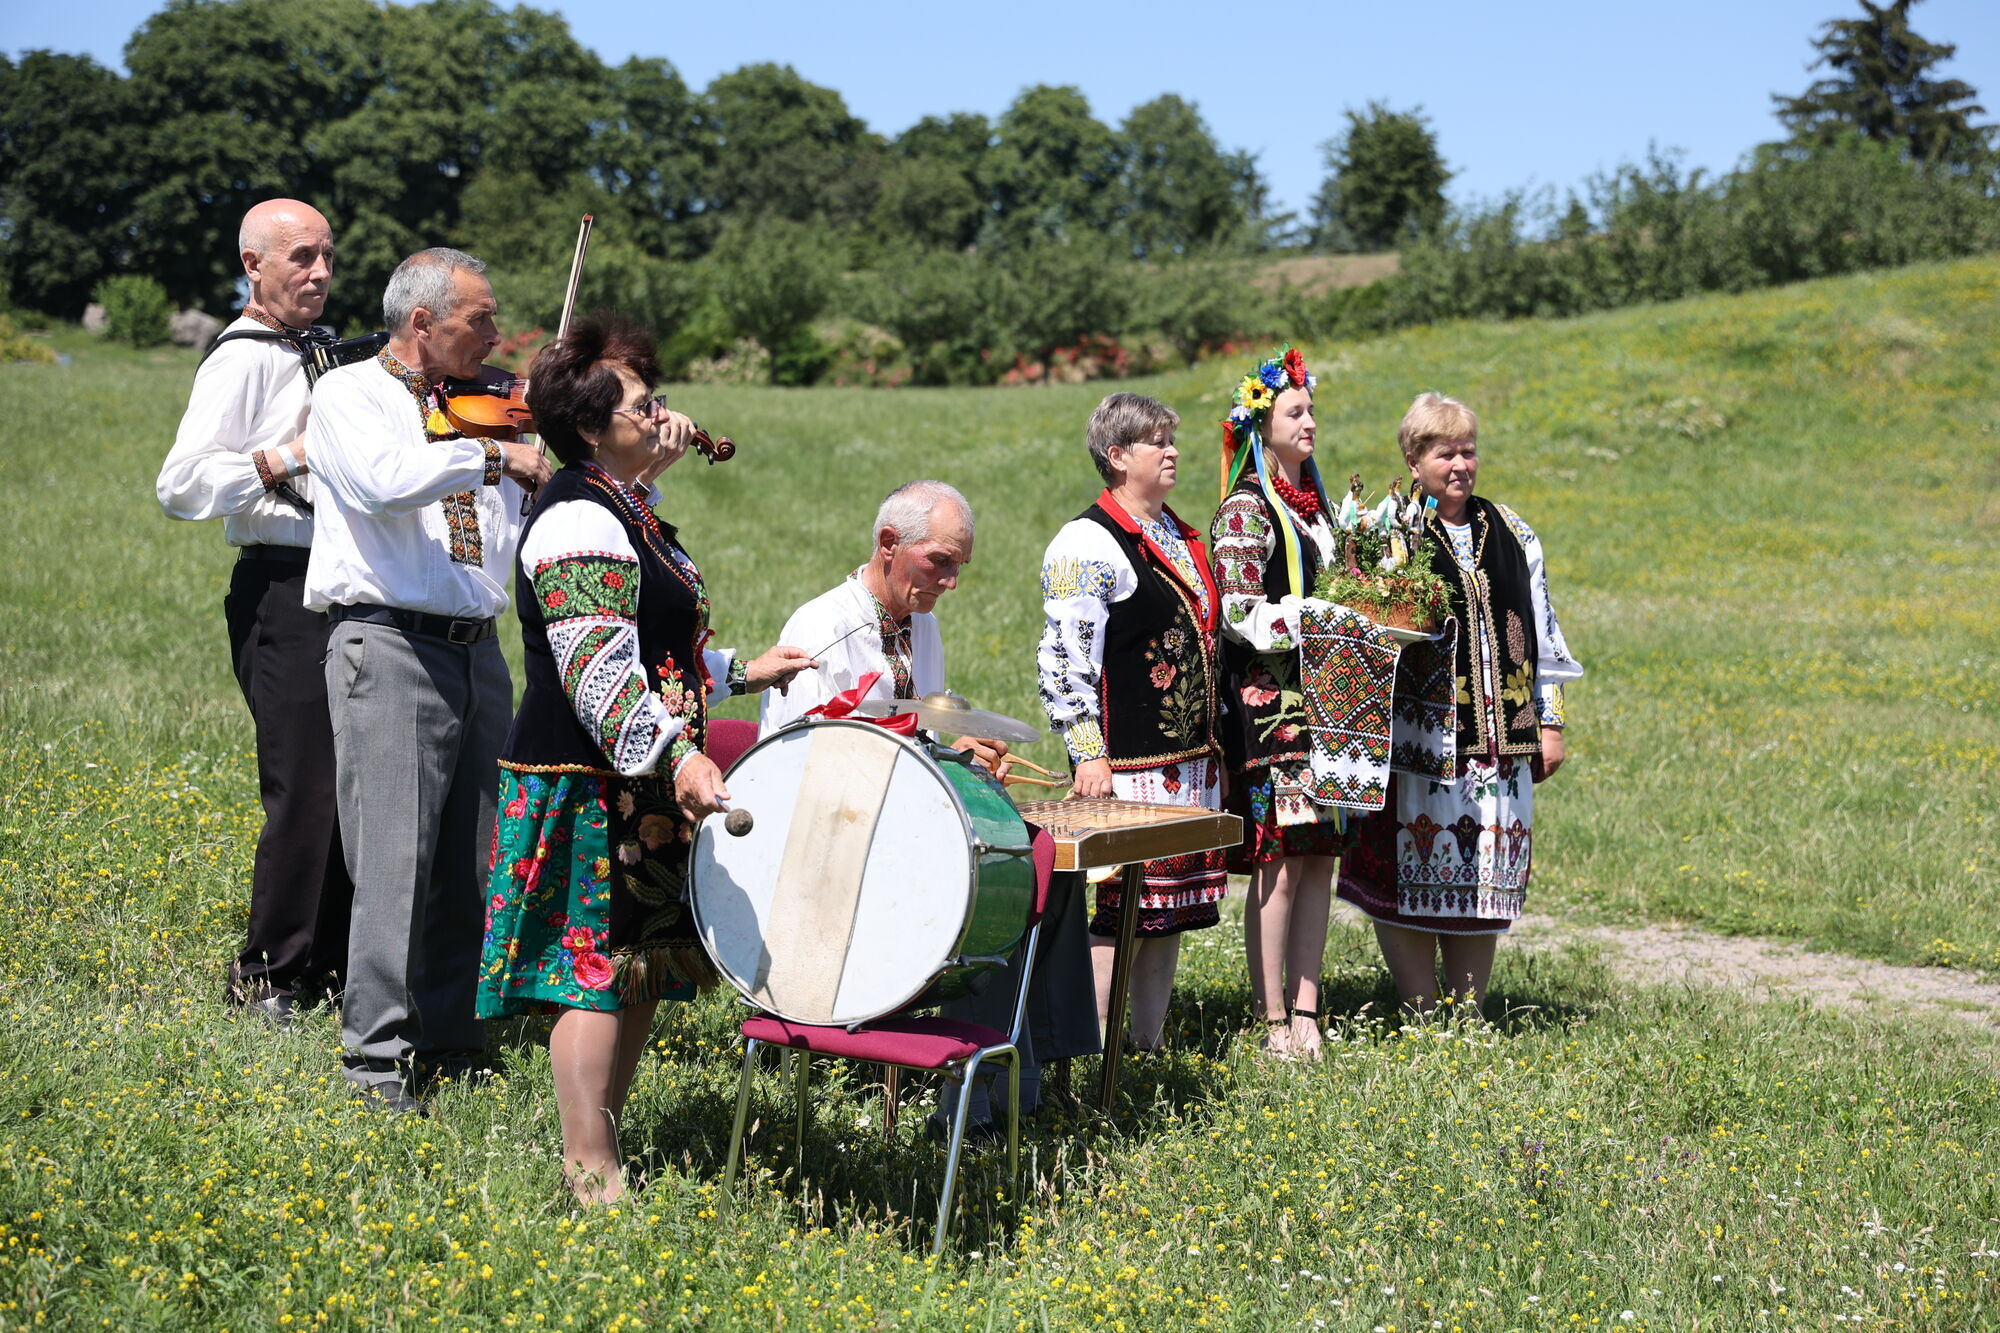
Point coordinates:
pixel 1156 694
pixel 672 619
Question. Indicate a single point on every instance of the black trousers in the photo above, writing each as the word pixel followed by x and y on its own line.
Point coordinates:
pixel 300 895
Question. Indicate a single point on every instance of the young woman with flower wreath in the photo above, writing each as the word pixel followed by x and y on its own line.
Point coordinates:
pixel 1271 536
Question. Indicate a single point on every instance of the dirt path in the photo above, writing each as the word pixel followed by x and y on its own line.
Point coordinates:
pixel 1767 969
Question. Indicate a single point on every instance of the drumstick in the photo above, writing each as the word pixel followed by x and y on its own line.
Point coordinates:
pixel 737 822
pixel 842 639
pixel 1029 763
pixel 1018 779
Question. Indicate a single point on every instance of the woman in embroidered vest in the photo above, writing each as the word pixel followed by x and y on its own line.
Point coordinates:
pixel 1127 668
pixel 1444 866
pixel 603 774
pixel 1272 535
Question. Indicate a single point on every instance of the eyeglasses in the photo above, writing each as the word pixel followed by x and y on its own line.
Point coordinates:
pixel 645 411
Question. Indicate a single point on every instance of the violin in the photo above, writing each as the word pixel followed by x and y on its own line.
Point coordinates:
pixel 495 407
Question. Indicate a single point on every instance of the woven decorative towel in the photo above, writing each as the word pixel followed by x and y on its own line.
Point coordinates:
pixel 1372 705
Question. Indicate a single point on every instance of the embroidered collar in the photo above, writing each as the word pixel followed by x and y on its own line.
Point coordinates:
pixel 420 388
pixel 430 404
pixel 897 640
pixel 273 323
pixel 1208 600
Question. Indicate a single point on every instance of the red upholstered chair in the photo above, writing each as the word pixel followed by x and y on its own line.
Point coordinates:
pixel 945 1045
pixel 728 738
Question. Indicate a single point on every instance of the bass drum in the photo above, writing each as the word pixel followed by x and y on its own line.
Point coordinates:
pixel 882 873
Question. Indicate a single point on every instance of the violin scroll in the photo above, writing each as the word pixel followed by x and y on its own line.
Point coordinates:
pixel 714 449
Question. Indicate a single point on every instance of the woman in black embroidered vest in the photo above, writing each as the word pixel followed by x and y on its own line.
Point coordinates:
pixel 603 774
pixel 1127 669
pixel 1272 535
pixel 1443 867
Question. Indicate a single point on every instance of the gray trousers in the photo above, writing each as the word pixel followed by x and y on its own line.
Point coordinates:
pixel 1061 1021
pixel 417 727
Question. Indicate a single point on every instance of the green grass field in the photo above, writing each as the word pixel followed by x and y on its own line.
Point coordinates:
pixel 1770 522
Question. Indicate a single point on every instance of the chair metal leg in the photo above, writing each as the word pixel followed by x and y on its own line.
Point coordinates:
pixel 742 1119
pixel 952 1153
pixel 803 1094
pixel 1014 1124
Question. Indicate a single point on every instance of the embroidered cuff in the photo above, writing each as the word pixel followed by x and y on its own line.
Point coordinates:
pixel 679 751
pixel 1085 740
pixel 495 458
pixel 1549 707
pixel 266 474
pixel 739 676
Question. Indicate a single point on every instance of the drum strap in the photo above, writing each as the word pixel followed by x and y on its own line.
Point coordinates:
pixel 841 794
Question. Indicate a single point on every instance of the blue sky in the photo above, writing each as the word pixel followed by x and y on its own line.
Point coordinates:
pixel 1525 94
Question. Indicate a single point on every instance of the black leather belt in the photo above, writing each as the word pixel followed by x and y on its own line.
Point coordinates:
pixel 417 622
pixel 296 556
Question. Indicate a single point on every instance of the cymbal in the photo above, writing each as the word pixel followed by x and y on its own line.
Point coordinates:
pixel 950 712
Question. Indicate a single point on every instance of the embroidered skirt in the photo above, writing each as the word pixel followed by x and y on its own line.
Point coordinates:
pixel 1181 892
pixel 1446 857
pixel 583 907
pixel 1280 820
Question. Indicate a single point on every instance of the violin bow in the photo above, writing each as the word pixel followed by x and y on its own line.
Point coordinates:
pixel 568 309
pixel 575 275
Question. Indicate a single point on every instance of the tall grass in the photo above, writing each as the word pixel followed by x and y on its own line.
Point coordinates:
pixel 1770 522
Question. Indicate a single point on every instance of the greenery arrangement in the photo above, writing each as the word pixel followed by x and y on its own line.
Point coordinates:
pixel 1383 567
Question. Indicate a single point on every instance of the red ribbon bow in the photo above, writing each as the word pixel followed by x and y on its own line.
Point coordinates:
pixel 844 704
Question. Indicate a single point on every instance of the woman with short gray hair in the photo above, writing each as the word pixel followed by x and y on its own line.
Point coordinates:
pixel 1128 677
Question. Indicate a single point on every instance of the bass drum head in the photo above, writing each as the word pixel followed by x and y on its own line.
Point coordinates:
pixel 854 887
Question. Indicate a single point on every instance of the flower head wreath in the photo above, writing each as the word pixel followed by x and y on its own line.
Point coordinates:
pixel 1243 446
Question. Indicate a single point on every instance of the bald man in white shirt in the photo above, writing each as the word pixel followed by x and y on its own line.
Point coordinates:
pixel 240 456
pixel 412 562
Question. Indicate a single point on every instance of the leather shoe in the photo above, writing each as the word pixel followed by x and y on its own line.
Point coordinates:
pixel 278 1010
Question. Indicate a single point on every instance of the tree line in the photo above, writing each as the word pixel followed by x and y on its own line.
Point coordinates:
pixel 742 214
pixel 457 120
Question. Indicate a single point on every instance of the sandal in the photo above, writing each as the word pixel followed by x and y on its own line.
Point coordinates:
pixel 1278 1039
pixel 1310 1053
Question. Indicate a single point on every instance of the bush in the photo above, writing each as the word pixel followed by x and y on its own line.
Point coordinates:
pixel 136 309
pixel 1788 214
pixel 952 312
pixel 800 358
pixel 18 346
pixel 1334 314
pixel 1198 306
pixel 774 279
pixel 1072 289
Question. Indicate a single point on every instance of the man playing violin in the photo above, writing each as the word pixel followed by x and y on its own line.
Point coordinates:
pixel 240 456
pixel 413 557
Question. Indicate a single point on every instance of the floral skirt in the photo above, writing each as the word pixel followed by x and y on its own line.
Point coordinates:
pixel 1448 857
pixel 1181 892
pixel 584 905
pixel 1280 820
